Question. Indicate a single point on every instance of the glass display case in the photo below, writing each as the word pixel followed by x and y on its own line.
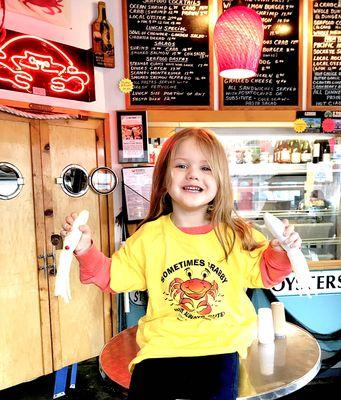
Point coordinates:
pixel 292 176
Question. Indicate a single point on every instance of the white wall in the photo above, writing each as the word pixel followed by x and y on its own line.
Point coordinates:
pixel 108 96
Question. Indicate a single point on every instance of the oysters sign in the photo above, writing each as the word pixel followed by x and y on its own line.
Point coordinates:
pixel 34 65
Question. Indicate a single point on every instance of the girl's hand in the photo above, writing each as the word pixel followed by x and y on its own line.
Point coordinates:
pixel 292 238
pixel 85 240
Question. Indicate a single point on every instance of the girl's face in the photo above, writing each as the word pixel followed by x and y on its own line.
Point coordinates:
pixel 191 182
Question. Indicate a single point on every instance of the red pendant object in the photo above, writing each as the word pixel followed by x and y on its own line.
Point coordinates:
pixel 238 42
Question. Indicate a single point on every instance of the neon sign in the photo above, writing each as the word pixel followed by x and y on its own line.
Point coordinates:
pixel 35 65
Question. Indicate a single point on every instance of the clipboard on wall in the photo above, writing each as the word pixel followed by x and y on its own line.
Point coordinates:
pixel 137 184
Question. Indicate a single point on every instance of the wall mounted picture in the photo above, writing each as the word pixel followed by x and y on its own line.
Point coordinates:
pixel 137 183
pixel 31 64
pixel 103 39
pixel 56 12
pixel 132 136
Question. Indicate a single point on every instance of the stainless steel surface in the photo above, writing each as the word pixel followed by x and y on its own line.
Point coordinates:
pixel 277 370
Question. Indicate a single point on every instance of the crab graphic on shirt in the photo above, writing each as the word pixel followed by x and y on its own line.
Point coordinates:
pixel 195 295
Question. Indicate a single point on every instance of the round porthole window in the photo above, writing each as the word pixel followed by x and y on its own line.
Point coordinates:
pixel 103 180
pixel 74 180
pixel 11 181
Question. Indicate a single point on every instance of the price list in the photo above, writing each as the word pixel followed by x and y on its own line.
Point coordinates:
pixel 326 53
pixel 276 83
pixel 168 48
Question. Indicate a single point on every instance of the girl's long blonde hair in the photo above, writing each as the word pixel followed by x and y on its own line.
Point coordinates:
pixel 222 214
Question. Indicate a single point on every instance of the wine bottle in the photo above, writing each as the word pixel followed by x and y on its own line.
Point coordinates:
pixel 285 152
pixel 306 152
pixel 325 153
pixel 275 152
pixel 295 156
pixel 316 151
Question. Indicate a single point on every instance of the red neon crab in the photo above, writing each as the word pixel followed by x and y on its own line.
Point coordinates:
pixel 28 61
pixel 191 291
pixel 49 4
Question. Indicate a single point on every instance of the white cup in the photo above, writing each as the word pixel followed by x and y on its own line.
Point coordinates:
pixel 265 326
pixel 266 353
pixel 278 315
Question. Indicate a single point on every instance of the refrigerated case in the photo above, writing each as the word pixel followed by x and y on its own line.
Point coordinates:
pixel 306 193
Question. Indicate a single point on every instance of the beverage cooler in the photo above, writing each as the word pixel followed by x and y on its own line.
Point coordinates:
pixel 295 176
pixel 292 176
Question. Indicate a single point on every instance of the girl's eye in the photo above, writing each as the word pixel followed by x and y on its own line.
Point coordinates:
pixel 206 168
pixel 181 166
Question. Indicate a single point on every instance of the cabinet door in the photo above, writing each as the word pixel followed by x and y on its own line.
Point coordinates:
pixel 78 328
pixel 22 324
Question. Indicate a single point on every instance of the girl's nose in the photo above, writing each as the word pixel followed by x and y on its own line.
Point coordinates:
pixel 192 173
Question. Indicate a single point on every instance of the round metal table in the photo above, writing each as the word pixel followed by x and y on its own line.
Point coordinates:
pixel 268 372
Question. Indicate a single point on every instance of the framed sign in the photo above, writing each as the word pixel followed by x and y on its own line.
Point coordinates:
pixel 31 64
pixel 137 184
pixel 132 136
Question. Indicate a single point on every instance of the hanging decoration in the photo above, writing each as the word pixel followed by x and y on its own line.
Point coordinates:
pixel 55 12
pixel 238 41
pixel 34 65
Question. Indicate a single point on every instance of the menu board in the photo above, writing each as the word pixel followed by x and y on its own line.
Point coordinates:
pixel 276 83
pixel 326 54
pixel 167 52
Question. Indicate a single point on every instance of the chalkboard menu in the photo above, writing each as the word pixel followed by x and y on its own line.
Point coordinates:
pixel 326 54
pixel 167 49
pixel 276 83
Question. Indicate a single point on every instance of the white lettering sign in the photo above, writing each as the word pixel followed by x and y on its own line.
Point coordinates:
pixel 328 281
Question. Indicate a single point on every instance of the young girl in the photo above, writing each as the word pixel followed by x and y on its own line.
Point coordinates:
pixel 196 257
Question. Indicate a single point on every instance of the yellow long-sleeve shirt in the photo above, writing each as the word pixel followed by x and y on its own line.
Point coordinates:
pixel 197 302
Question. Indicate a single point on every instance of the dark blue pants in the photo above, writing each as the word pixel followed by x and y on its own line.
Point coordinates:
pixel 187 378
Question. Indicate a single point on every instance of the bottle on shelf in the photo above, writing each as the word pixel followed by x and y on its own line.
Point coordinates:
pixel 306 155
pixel 275 152
pixel 337 149
pixel 285 152
pixel 295 155
pixel 278 151
pixel 325 151
pixel 316 151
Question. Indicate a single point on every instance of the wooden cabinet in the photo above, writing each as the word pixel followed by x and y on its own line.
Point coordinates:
pixel 39 332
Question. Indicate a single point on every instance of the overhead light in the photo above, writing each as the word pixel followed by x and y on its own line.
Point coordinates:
pixel 238 41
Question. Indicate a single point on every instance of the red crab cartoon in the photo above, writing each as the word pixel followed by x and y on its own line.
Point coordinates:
pixel 48 4
pixel 36 60
pixel 191 291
